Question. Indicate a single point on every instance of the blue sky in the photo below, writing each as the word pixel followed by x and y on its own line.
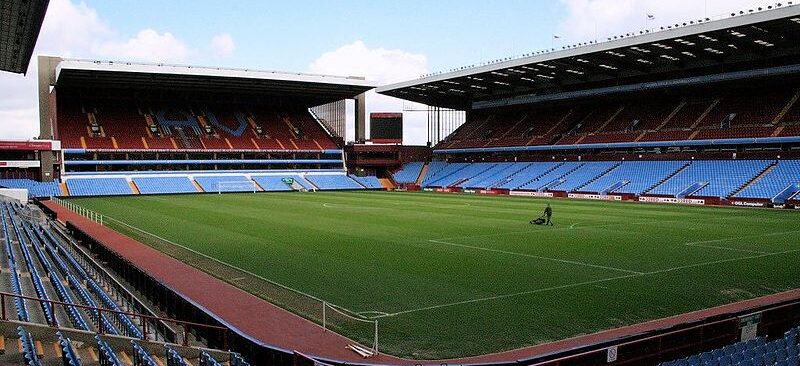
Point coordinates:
pixel 385 41
pixel 289 35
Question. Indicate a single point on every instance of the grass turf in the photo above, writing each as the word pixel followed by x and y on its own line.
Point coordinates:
pixel 466 275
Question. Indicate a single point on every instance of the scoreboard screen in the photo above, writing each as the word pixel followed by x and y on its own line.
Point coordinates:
pixel 386 128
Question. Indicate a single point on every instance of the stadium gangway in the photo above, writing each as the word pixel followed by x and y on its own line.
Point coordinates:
pixel 83 294
pixel 786 194
pixel 692 188
pixel 130 328
pixel 19 303
pixel 188 327
pixel 74 315
pixel 35 278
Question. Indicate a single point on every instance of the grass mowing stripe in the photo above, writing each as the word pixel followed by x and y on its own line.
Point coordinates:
pixel 379 259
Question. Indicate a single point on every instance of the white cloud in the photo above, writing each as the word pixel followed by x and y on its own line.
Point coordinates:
pixel 73 29
pixel 599 19
pixel 222 45
pixel 148 45
pixel 381 66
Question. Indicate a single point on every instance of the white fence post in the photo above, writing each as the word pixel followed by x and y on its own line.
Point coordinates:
pixel 324 320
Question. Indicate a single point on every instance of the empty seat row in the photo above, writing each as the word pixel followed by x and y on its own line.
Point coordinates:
pixel 754 352
pixel 41 254
pixel 711 178
pixel 369 182
pixel 98 187
pixel 675 178
pixel 409 173
pixel 333 181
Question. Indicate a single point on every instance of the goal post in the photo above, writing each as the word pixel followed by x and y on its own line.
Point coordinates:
pixel 237 186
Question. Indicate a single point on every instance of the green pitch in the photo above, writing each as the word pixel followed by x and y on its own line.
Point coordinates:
pixel 456 275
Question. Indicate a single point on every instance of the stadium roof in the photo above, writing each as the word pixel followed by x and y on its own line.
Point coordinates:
pixel 699 47
pixel 319 89
pixel 20 23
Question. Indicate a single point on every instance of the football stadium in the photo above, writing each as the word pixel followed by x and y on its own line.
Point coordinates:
pixel 626 201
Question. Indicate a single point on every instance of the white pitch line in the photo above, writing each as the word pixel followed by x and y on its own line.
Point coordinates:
pixel 600 280
pixel 724 248
pixel 704 244
pixel 535 257
pixel 482 299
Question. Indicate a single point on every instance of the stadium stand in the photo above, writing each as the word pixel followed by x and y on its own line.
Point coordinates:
pixel 272 183
pixel 225 183
pixel 162 185
pixel 761 179
pixel 35 189
pixel 778 184
pixel 783 351
pixel 409 173
pixel 586 173
pixel 369 182
pixel 109 125
pixel 528 173
pixel 741 113
pixel 633 177
pixel 98 187
pixel 489 176
pixel 332 181
pixel 711 178
pixel 42 253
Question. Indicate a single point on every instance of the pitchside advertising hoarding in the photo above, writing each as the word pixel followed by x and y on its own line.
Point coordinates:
pixel 386 128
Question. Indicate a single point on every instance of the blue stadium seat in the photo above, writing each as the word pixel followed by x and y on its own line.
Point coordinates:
pixel 164 185
pixel 527 173
pixel 333 182
pixel 586 173
pixel 369 182
pixel 35 189
pixel 633 177
pixel 98 187
pixel 711 178
pixel 409 173
pixel 552 177
pixel 785 174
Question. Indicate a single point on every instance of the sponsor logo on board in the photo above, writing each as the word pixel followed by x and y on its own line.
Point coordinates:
pixel 530 194
pixel 685 201
pixel 749 204
pixel 601 197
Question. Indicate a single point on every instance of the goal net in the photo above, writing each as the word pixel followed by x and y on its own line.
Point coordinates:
pixel 237 186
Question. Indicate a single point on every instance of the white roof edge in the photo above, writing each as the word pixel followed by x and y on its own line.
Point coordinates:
pixel 170 69
pixel 697 28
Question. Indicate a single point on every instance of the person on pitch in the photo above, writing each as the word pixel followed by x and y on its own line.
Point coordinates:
pixel 548 213
pixel 545 218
